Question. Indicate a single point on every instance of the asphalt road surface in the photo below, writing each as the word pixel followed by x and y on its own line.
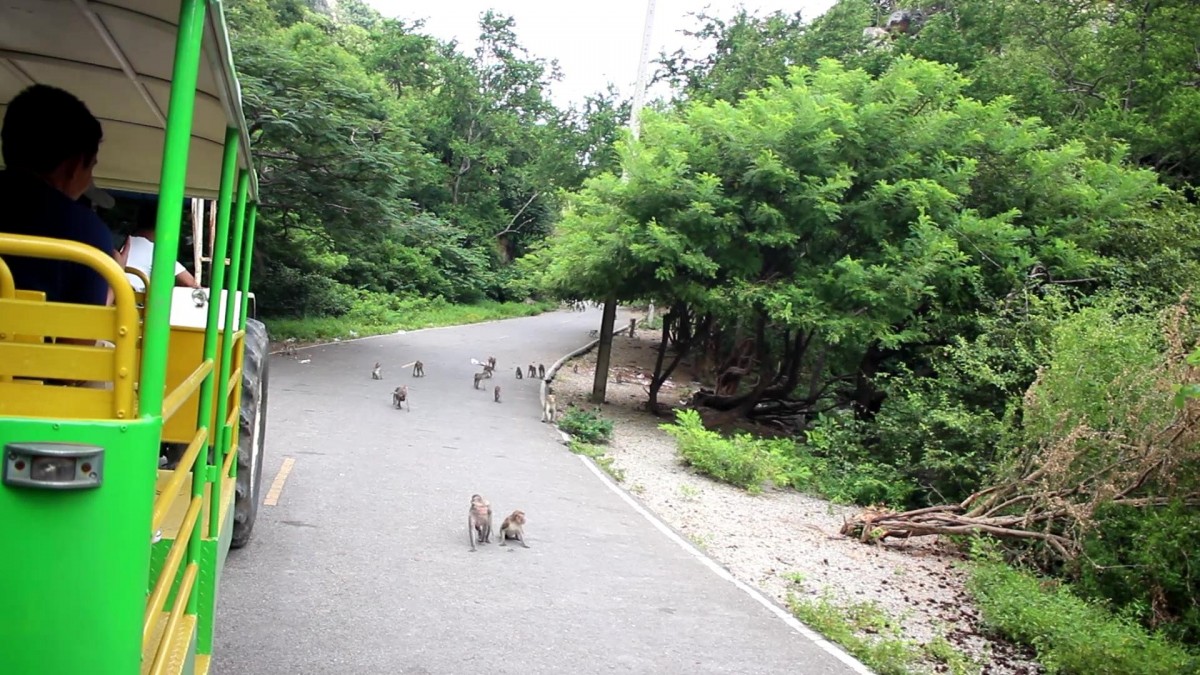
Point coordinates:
pixel 363 567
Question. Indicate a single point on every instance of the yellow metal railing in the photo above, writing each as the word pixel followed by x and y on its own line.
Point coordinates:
pixel 118 324
pixel 162 505
pixel 158 597
pixel 8 287
pixel 162 656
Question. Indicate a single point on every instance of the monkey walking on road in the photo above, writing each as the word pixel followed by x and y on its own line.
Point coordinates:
pixel 541 372
pixel 418 368
pixel 532 371
pixel 513 527
pixel 400 396
pixel 479 521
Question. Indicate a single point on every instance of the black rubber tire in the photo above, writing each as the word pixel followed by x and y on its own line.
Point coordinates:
pixel 252 432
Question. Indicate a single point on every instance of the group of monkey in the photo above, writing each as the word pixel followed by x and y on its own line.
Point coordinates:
pixel 479 524
pixel 479 518
pixel 400 394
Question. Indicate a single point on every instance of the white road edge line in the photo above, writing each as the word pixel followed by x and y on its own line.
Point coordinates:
pixel 834 650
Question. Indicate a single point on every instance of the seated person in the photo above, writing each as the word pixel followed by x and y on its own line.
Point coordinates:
pixel 50 142
pixel 140 251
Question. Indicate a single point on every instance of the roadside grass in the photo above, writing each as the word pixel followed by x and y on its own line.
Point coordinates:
pixel 1071 635
pixel 586 425
pixel 596 453
pixel 375 320
pixel 871 636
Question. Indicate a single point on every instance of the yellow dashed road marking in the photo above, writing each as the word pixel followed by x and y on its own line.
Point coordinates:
pixel 272 497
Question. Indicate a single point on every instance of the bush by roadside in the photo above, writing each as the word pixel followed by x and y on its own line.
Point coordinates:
pixel 586 425
pixel 1071 636
pixel 374 314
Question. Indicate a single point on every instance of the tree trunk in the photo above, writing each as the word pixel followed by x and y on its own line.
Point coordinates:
pixel 681 349
pixel 604 353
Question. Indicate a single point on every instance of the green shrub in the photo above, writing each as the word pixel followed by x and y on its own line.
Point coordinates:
pixel 742 460
pixel 586 425
pixel 1071 636
pixel 1143 561
pixel 832 463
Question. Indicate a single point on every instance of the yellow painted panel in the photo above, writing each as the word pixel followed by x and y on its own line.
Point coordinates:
pixel 31 317
pixel 184 354
pixel 23 399
pixel 57 362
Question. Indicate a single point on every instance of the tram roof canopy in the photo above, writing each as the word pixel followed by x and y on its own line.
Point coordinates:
pixel 117 56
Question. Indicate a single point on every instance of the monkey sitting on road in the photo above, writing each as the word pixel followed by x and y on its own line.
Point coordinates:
pixel 497 394
pixel 519 374
pixel 513 527
pixel 400 396
pixel 479 521
pixel 549 410
pixel 377 372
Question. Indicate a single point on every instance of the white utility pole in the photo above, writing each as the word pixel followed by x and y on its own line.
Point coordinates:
pixel 639 91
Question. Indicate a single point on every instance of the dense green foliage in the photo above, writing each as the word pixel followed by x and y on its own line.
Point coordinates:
pixel 395 166
pixel 1071 636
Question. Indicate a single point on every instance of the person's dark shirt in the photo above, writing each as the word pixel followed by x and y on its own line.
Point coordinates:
pixel 31 206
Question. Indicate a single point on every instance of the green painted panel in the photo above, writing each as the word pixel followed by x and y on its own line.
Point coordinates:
pixel 78 558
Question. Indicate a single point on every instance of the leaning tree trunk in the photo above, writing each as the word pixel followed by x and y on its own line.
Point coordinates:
pixel 604 353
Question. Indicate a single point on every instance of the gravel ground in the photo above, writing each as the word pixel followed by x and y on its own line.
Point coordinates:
pixel 780 541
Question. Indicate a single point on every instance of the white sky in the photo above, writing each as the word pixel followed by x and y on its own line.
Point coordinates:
pixel 595 42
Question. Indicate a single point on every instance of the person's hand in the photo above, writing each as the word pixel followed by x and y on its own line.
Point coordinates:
pixel 121 255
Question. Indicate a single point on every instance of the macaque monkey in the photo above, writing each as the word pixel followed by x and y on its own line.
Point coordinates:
pixel 418 369
pixel 479 521
pixel 520 375
pixel 497 393
pixel 400 397
pixel 532 371
pixel 478 377
pixel 289 347
pixel 549 410
pixel 377 372
pixel 491 362
pixel 513 527
pixel 541 372
pixel 574 367
pixel 632 328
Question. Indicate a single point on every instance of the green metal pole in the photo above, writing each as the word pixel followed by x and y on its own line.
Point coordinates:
pixel 231 312
pixel 204 411
pixel 171 189
pixel 247 258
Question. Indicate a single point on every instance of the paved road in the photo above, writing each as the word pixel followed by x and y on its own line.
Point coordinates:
pixel 363 566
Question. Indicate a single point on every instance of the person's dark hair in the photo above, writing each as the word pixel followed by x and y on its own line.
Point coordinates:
pixel 45 126
pixel 147 216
